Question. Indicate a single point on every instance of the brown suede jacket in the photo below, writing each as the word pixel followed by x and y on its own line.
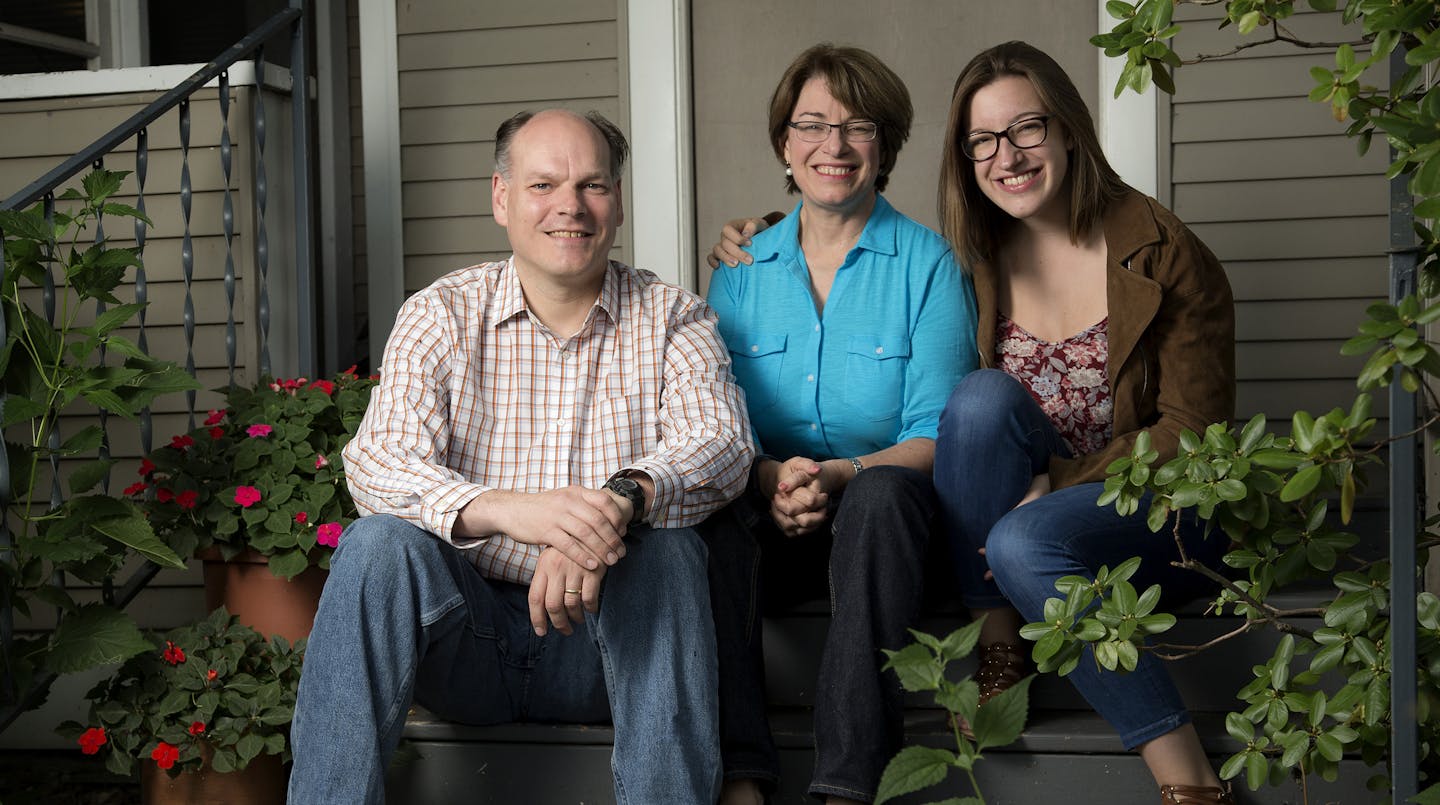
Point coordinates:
pixel 1172 335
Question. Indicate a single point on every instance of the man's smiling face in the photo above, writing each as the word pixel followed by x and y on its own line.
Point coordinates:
pixel 560 204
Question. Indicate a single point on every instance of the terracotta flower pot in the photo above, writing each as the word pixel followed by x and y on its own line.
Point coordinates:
pixel 261 600
pixel 260 783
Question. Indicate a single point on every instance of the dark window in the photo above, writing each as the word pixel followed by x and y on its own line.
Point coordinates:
pixel 60 17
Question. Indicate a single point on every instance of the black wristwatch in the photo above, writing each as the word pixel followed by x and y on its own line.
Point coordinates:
pixel 629 489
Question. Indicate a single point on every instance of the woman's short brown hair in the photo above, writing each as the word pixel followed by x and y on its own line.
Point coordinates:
pixel 970 221
pixel 860 81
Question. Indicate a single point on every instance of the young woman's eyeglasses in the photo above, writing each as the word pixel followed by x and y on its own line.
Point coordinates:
pixel 813 131
pixel 981 146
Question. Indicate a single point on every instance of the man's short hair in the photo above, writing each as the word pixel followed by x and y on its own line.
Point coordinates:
pixel 614 138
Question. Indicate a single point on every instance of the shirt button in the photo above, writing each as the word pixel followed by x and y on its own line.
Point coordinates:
pixel 754 347
pixel 814 426
pixel 879 350
pixel 810 378
pixel 817 328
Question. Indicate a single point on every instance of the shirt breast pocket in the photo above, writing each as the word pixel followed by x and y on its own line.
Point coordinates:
pixel 875 375
pixel 757 361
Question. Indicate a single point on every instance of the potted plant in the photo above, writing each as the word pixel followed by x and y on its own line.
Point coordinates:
pixel 206 701
pixel 261 482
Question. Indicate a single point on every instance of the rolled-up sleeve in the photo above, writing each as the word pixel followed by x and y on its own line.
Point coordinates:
pixel 393 465
pixel 705 448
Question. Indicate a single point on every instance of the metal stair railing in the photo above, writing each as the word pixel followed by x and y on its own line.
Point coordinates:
pixel 13 702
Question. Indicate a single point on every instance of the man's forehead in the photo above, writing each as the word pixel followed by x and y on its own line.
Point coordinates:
pixel 560 140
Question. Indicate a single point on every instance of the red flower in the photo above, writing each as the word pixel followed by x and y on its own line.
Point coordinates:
pixel 92 740
pixel 197 728
pixel 173 653
pixel 136 488
pixel 146 467
pixel 165 755
pixel 302 518
pixel 328 534
pixel 210 675
pixel 217 432
pixel 181 442
pixel 324 385
pixel 186 499
pixel 321 461
pixel 164 495
pixel 258 431
pixel 214 418
pixel 351 371
pixel 247 496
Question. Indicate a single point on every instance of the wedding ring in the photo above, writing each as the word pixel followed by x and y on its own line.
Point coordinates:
pixel 569 591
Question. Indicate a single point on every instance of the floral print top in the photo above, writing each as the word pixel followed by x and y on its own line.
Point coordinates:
pixel 1066 378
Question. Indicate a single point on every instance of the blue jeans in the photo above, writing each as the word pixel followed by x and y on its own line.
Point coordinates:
pixel 405 615
pixel 870 563
pixel 993 441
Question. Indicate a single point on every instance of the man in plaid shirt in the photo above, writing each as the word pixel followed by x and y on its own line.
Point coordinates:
pixel 546 431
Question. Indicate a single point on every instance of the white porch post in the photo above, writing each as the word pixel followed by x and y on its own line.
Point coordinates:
pixel 1126 124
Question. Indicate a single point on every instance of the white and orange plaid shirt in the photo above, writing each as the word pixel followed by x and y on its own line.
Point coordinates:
pixel 475 394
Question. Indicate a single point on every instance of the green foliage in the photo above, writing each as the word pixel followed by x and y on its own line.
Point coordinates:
pixel 50 367
pixel 264 474
pixel 218 674
pixel 1325 692
pixel 921 668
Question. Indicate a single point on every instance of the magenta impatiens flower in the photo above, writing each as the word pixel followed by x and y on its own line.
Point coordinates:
pixel 328 534
pixel 247 496
pixel 258 431
pixel 173 653
pixel 321 461
pixel 302 518
pixel 214 418
pixel 187 499
pixel 324 385
pixel 181 442
pixel 197 728
pixel 137 488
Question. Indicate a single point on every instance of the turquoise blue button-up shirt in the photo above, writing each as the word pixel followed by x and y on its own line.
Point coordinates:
pixel 871 371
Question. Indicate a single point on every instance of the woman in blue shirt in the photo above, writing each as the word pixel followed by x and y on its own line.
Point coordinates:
pixel 848 332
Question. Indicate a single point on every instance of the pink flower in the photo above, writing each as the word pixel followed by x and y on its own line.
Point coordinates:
pixel 197 728
pixel 328 534
pixel 164 495
pixel 146 467
pixel 214 418
pixel 210 675
pixel 187 499
pixel 165 755
pixel 136 488
pixel 321 461
pixel 173 653
pixel 324 385
pixel 181 442
pixel 217 432
pixel 247 496
pixel 302 518
pixel 92 740
pixel 258 431
pixel 349 372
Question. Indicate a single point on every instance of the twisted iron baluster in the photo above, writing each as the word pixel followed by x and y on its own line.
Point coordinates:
pixel 142 290
pixel 107 585
pixel 227 221
pixel 48 295
pixel 9 691
pixel 187 257
pixel 262 246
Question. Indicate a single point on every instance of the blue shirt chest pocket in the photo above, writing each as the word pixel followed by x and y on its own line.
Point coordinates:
pixel 757 360
pixel 875 375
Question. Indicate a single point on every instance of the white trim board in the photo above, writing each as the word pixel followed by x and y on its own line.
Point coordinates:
pixel 384 227
pixel 1126 125
pixel 129 79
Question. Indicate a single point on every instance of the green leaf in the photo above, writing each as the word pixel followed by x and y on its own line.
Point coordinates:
pixel 1301 484
pixel 92 636
pixel 1000 721
pixel 115 317
pixel 913 768
pixel 289 564
pixel 916 667
pixel 136 533
pixel 84 478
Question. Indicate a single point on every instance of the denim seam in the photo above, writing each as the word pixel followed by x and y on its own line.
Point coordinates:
pixel 841 791
pixel 1155 729
pixel 428 619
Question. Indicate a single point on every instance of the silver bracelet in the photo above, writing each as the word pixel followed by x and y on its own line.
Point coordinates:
pixel 855 462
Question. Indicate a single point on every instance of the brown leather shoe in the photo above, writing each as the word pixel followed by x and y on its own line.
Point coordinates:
pixel 1001 666
pixel 1196 795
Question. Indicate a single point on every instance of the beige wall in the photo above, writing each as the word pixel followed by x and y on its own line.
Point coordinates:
pixel 465 67
pixel 742 47
pixel 1269 180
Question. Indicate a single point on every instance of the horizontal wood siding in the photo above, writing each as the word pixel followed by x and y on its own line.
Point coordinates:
pixel 1268 179
pixel 464 68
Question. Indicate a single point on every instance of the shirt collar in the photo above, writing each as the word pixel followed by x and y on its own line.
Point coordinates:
pixel 508 300
pixel 879 234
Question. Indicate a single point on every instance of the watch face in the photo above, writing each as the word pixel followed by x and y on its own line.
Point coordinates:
pixel 629 488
